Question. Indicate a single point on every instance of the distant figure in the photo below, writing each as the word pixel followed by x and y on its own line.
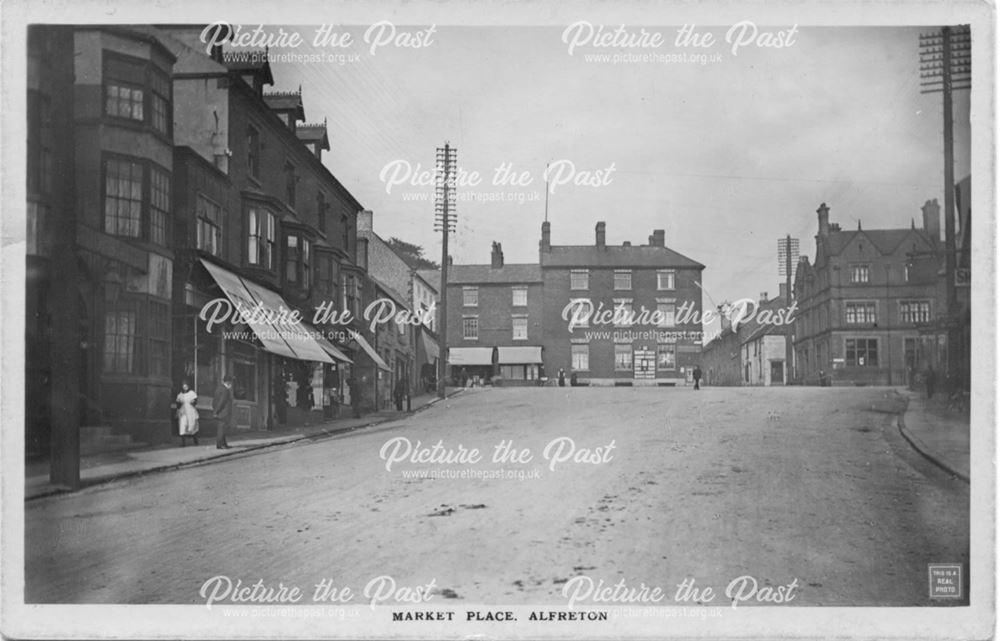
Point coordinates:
pixel 572 379
pixel 697 377
pixel 222 404
pixel 355 391
pixel 187 414
pixel 398 393
pixel 562 377
pixel 931 381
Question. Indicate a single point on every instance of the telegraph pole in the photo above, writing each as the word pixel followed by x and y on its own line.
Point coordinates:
pixel 444 221
pixel 946 66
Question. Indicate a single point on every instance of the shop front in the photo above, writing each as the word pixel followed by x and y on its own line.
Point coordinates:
pixel 472 365
pixel 521 365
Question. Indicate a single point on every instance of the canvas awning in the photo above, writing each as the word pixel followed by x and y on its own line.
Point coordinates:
pixel 368 349
pixel 281 338
pixel 329 347
pixel 470 355
pixel 526 355
pixel 430 346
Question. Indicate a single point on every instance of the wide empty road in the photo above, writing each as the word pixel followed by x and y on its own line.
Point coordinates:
pixel 803 484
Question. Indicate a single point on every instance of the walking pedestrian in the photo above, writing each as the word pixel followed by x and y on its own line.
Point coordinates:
pixel 697 376
pixel 222 405
pixel 187 414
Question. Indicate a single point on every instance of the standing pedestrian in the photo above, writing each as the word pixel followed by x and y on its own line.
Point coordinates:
pixel 697 376
pixel 930 380
pixel 398 393
pixel 562 377
pixel 187 414
pixel 355 391
pixel 222 404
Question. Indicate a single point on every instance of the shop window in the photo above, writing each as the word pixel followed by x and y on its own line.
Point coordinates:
pixel 244 380
pixel 861 352
pixel 623 358
pixel 580 357
pixel 666 357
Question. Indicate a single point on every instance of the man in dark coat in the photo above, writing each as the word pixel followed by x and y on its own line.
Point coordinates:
pixel 354 389
pixel 222 405
pixel 697 376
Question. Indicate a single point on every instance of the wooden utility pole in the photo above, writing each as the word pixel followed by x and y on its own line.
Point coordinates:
pixel 946 66
pixel 444 220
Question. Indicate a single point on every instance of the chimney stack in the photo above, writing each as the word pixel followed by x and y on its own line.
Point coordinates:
pixel 599 233
pixel 763 297
pixel 496 257
pixel 824 220
pixel 658 238
pixel 932 220
pixel 365 220
pixel 545 244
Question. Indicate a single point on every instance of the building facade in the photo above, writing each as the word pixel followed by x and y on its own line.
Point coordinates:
pixel 620 315
pixel 862 301
pixel 495 322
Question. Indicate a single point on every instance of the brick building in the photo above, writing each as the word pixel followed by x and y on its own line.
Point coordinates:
pixel 642 305
pixel 863 299
pixel 495 321
pixel 100 165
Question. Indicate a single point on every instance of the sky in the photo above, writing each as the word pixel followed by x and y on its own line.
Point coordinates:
pixel 726 156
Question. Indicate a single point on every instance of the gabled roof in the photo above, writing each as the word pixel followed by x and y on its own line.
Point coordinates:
pixel 314 133
pixel 286 101
pixel 488 275
pixel 886 241
pixel 615 256
pixel 432 277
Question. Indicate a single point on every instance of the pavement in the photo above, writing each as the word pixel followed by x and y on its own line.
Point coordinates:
pixel 112 466
pixel 939 434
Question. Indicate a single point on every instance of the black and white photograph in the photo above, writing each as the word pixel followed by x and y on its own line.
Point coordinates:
pixel 505 320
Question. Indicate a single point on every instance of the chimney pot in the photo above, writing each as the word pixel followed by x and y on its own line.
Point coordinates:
pixel 496 257
pixel 600 234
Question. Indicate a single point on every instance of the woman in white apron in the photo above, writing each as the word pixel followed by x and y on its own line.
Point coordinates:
pixel 187 414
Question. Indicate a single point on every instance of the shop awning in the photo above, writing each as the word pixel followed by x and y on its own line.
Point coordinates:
pixel 368 349
pixel 284 339
pixel 329 347
pixel 470 355
pixel 430 346
pixel 526 355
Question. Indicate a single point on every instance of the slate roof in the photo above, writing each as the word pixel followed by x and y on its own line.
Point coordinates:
pixel 487 275
pixel 885 240
pixel 615 256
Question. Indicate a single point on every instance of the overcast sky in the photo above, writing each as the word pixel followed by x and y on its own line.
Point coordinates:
pixel 727 156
